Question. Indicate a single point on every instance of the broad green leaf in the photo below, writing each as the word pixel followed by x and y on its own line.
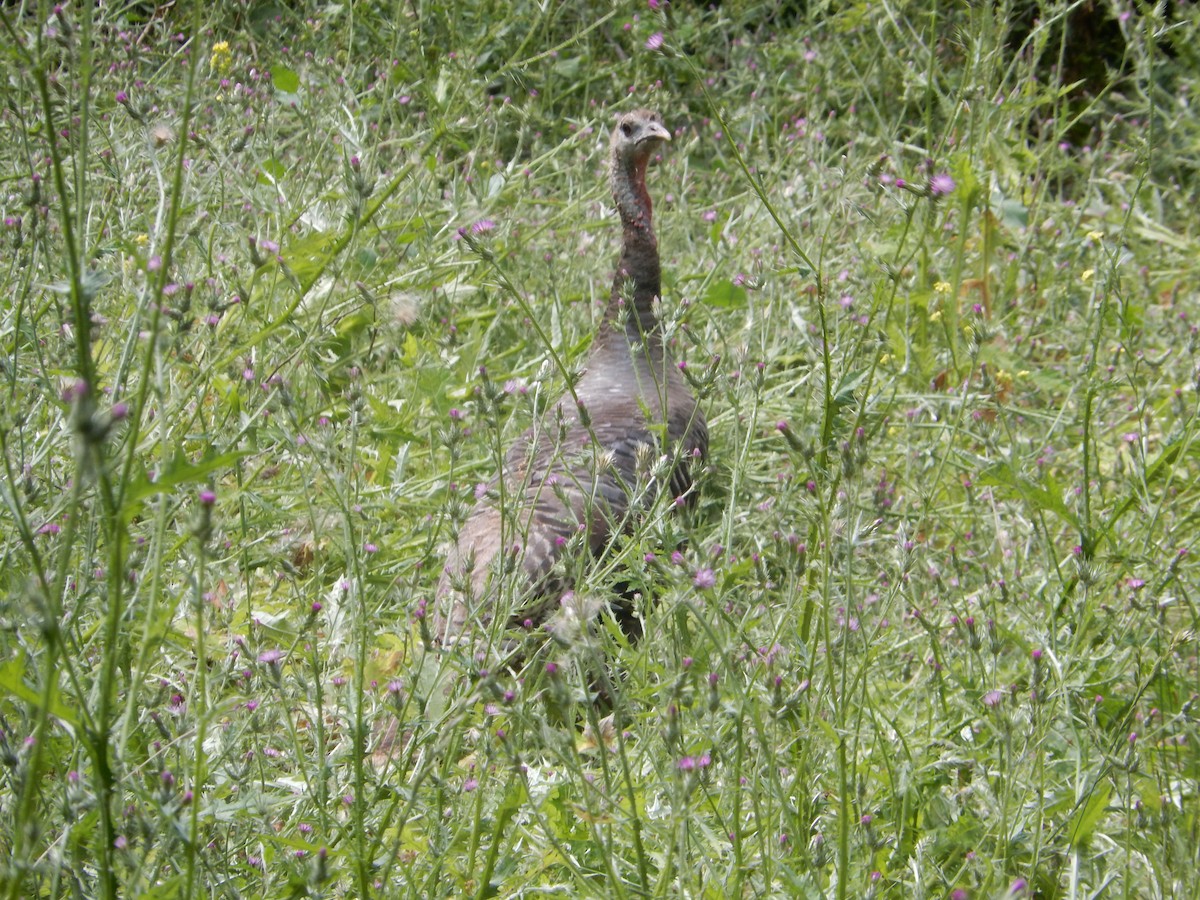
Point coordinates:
pixel 724 294
pixel 12 683
pixel 285 79
pixel 963 172
pixel 178 471
pixel 307 256
pixel 1012 213
pixel 844 392
pixel 366 258
pixel 411 349
pixel 567 66
pixel 356 322
pixel 1088 816
pixel 271 171
pixel 1046 499
pixel 170 887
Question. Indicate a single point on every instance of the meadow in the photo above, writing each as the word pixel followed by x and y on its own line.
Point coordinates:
pixel 281 282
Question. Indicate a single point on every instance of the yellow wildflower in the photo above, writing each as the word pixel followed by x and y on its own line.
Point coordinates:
pixel 1095 236
pixel 935 316
pixel 1086 275
pixel 942 287
pixel 221 58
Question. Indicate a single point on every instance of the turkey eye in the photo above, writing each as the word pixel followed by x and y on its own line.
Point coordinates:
pixel 626 129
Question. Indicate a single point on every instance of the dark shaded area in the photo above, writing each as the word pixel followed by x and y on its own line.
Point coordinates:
pixel 1085 49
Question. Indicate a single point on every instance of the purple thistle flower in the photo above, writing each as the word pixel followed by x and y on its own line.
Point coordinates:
pixel 271 657
pixel 940 185
pixel 654 41
pixel 705 578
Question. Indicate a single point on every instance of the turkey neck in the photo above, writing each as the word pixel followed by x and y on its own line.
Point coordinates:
pixel 639 276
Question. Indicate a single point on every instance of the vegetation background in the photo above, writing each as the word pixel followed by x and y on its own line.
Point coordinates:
pixel 278 283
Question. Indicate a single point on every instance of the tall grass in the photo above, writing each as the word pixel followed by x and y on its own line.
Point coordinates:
pixel 280 285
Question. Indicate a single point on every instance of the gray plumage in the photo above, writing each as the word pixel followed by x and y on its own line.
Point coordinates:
pixel 572 475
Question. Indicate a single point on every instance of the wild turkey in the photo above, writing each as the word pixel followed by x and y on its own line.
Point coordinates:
pixel 574 473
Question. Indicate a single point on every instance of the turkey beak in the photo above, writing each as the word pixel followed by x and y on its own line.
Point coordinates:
pixel 656 132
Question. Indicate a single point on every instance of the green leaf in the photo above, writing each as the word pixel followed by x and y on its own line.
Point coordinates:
pixel 411 350
pixel 567 66
pixel 1088 816
pixel 940 810
pixel 963 171
pixel 307 256
pixel 285 79
pixel 717 229
pixel 271 171
pixel 177 471
pixel 1163 464
pixel 844 393
pixel 12 683
pixel 1046 499
pixel 356 322
pixel 725 294
pixel 390 424
pixel 171 887
pixel 1011 212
